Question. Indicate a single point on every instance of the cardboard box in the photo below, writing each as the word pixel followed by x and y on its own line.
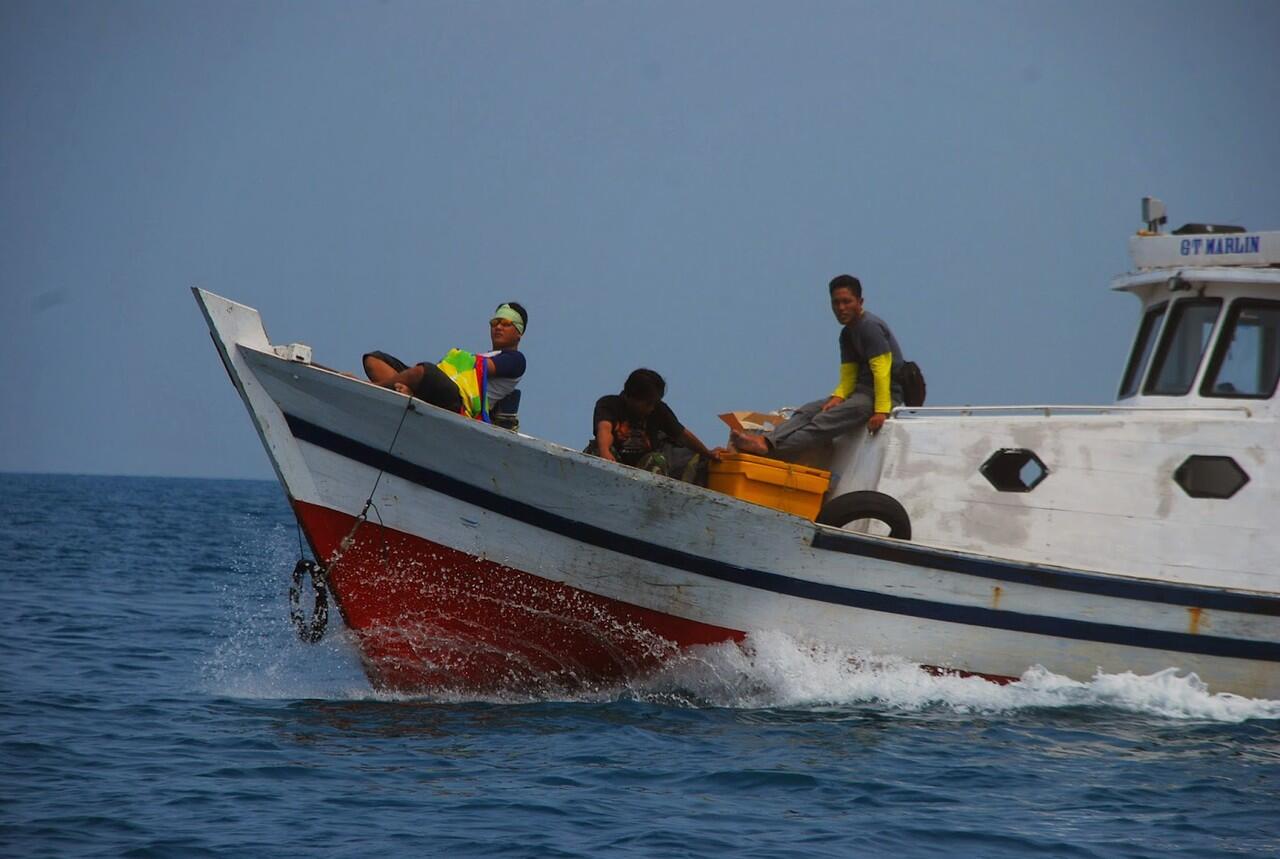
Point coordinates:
pixel 752 421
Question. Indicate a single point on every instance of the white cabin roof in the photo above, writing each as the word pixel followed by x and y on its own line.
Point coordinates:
pixel 1205 249
pixel 1200 253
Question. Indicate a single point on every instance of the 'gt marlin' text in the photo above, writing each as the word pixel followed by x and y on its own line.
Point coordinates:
pixel 1223 245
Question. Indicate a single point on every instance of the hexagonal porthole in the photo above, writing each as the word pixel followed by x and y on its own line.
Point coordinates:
pixel 1210 476
pixel 1014 469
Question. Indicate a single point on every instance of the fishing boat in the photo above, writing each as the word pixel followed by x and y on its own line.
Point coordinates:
pixel 1134 537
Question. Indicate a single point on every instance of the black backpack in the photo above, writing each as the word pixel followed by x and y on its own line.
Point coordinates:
pixel 913 387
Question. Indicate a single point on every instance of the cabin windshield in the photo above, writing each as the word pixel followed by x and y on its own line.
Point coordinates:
pixel 1246 363
pixel 1141 355
pixel 1185 337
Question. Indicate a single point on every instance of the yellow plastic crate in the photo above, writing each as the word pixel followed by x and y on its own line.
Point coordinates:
pixel 771 482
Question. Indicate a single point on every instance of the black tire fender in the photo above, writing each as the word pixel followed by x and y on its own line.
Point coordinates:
pixel 312 630
pixel 851 506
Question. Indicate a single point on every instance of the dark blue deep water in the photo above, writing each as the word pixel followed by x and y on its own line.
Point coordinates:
pixel 154 702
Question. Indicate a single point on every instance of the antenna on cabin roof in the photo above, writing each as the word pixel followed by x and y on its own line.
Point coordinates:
pixel 1153 213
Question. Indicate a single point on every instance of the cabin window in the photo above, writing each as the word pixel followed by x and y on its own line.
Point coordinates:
pixel 1141 354
pixel 1014 469
pixel 1246 363
pixel 1186 335
pixel 1210 476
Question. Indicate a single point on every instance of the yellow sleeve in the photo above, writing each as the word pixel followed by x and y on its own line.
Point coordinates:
pixel 881 368
pixel 848 380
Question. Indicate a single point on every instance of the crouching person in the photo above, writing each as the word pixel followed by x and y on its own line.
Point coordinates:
pixel 637 428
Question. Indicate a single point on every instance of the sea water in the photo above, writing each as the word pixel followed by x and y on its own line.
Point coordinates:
pixel 154 701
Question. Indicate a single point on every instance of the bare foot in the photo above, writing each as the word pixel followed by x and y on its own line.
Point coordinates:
pixel 749 443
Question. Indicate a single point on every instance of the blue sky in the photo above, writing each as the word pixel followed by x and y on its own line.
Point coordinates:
pixel 661 184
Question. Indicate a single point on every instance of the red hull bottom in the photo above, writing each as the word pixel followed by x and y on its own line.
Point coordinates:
pixel 429 618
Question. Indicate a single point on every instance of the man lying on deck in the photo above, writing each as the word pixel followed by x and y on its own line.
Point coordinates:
pixel 481 386
pixel 638 429
pixel 870 385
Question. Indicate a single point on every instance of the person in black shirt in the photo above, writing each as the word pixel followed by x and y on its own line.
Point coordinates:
pixel 638 429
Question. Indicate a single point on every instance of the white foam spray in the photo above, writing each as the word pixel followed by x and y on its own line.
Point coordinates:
pixel 771 669
pixel 262 658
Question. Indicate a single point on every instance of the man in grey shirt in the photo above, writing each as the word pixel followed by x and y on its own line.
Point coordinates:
pixel 870 384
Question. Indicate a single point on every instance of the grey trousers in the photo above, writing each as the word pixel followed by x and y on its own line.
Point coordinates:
pixel 810 427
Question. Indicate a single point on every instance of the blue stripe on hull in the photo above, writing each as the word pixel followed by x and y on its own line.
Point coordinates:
pixel 1189 596
pixel 835 594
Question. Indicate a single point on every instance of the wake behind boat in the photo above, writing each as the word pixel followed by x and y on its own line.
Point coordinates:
pixel 1134 537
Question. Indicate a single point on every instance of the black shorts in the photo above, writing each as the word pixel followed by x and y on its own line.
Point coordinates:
pixel 435 388
pixel 438 389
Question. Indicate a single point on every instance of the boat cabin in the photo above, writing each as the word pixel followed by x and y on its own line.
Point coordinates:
pixel 1209 334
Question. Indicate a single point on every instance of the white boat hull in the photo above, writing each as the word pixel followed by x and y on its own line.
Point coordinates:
pixel 490 559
